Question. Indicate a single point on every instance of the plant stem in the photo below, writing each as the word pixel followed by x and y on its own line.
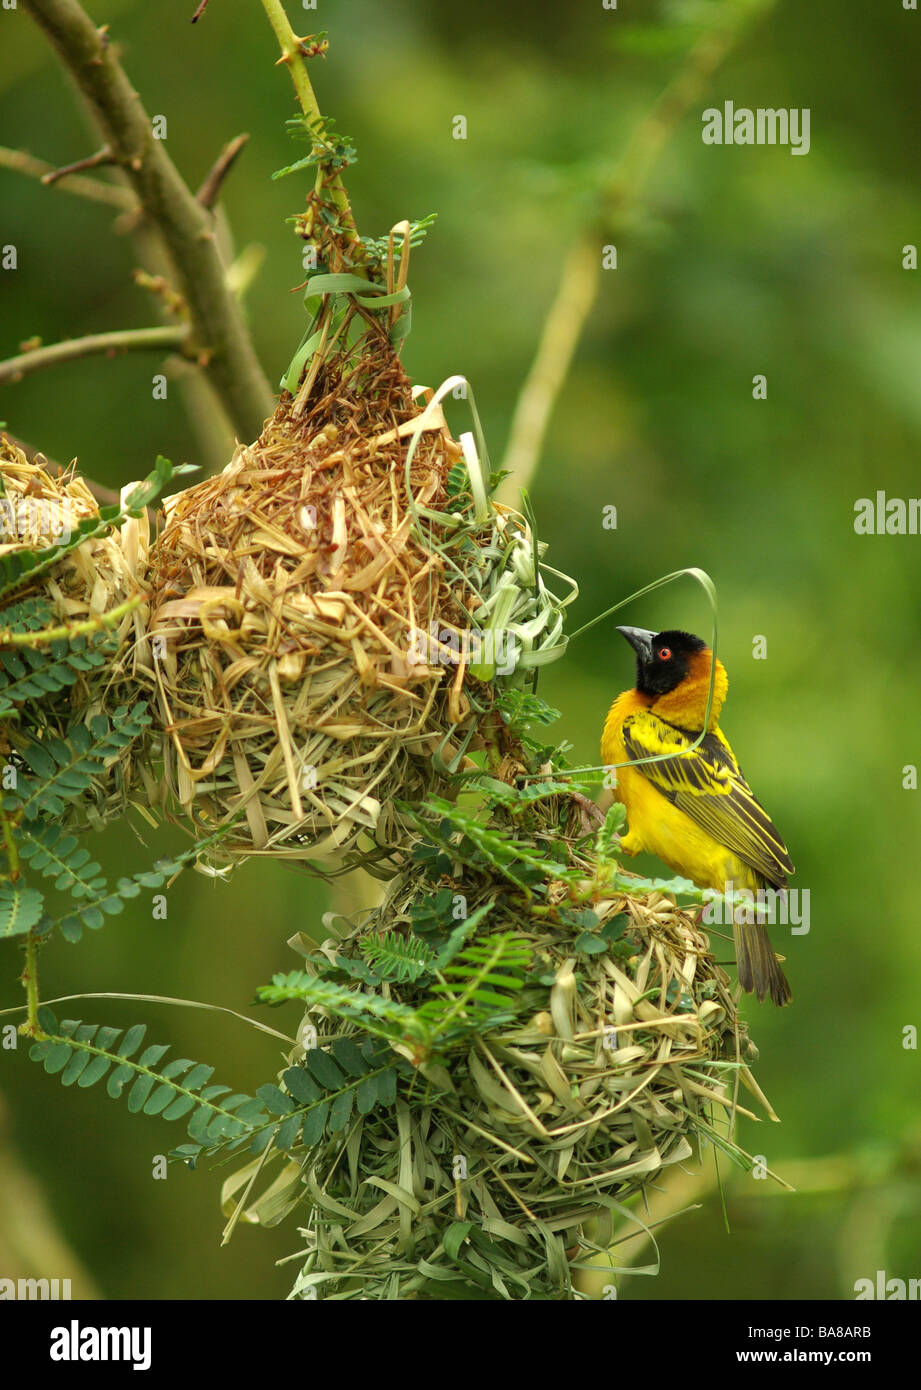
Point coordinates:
pixel 67 631
pixel 581 276
pixel 29 975
pixel 187 229
pixel 94 189
pixel 168 338
pixel 93 161
pixel 31 1028
pixel 293 58
pixel 12 850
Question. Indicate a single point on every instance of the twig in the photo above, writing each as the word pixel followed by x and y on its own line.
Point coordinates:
pixel 29 976
pixel 292 54
pixel 65 631
pixel 94 189
pixel 93 161
pixel 559 338
pixel 12 849
pixel 207 195
pixel 581 276
pixel 186 227
pixel 173 303
pixel 200 11
pixel 31 1027
pixel 166 339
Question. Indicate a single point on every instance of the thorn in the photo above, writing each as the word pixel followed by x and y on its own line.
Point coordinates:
pixel 207 195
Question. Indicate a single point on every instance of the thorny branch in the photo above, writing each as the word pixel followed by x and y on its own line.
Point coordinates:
pixel 186 227
pixel 166 339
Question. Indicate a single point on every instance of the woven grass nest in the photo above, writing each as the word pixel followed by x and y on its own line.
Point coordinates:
pixel 38 511
pixel 289 593
pixel 624 1047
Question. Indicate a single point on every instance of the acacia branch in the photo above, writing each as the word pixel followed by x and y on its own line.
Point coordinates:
pixel 293 56
pixel 187 228
pixel 169 338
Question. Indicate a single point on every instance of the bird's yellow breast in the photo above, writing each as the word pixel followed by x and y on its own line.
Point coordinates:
pixel 656 826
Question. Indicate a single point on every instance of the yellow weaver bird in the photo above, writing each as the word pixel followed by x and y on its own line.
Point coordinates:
pixel 694 810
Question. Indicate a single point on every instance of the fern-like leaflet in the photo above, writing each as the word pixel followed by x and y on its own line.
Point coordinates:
pixel 319 1096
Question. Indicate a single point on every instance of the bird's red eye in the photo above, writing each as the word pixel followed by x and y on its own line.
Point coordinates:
pixel 665 653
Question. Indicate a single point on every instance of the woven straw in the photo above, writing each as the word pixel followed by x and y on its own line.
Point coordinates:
pixel 38 510
pixel 286 591
pixel 607 1081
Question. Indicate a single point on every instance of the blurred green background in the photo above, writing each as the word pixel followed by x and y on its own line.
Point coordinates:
pixel 742 261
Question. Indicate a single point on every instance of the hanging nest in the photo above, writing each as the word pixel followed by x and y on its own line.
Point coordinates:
pixel 313 607
pixel 92 590
pixel 511 1142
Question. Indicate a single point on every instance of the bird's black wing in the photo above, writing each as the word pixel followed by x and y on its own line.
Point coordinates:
pixel 707 784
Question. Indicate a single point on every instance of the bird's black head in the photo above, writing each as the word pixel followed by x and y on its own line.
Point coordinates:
pixel 662 658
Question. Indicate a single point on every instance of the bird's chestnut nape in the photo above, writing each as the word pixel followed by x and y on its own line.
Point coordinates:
pixel 662 658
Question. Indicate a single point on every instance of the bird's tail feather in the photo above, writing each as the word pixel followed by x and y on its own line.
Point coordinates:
pixel 758 967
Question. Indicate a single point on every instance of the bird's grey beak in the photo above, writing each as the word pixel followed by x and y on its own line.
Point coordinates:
pixel 640 640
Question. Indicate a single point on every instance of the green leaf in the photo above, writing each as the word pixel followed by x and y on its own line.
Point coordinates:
pixel 396 957
pixel 384 1018
pixel 95 1071
pixel 340 1110
pixel 460 934
pixel 65 767
pixel 132 1040
pixel 516 860
pixel 80 1052
pixel 137 1097
pixel 367 1094
pixel 300 1085
pixel 74 1068
pixel 180 1106
pixel 306 163
pixel 520 708
pixel 275 1100
pixel 387 1087
pixel 198 1076
pixel 455 1236
pixel 101 900
pixel 348 1056
pixel 58 1057
pixel 324 1069
pixel 119 1080
pixel 614 929
pixel 287 1132
pixel 21 908
pixel 590 944
pixel 314 1124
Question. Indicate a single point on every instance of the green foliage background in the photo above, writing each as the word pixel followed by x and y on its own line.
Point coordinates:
pixel 747 260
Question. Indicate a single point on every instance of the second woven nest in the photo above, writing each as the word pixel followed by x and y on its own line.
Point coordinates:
pixel 518 1173
pixel 49 687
